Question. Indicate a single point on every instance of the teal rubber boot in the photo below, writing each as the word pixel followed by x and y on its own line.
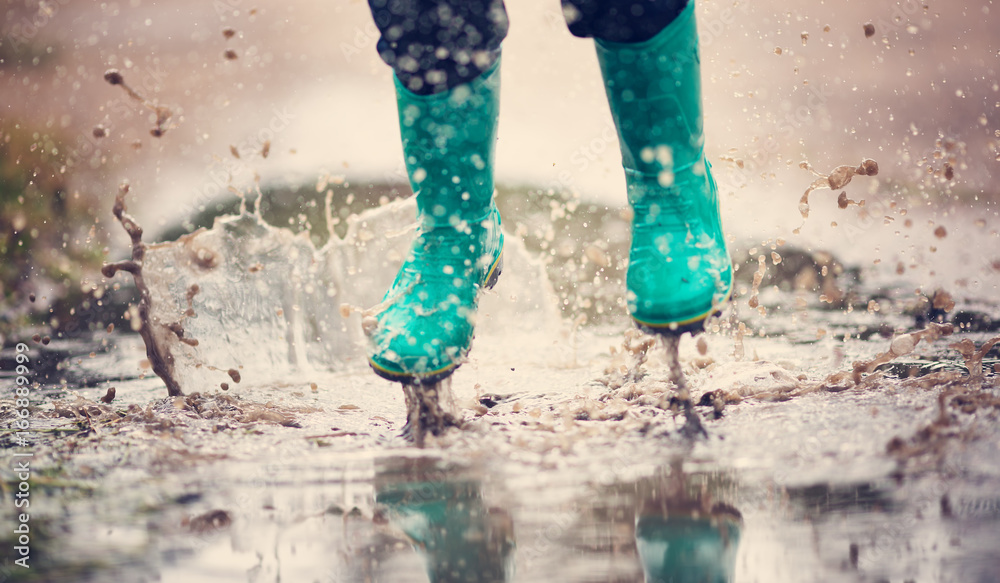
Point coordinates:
pixel 679 270
pixel 456 535
pixel 426 320
pixel 685 549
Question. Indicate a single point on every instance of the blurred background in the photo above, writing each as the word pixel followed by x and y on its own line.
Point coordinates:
pixel 294 93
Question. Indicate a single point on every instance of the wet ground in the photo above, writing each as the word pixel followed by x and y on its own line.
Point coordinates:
pixel 570 467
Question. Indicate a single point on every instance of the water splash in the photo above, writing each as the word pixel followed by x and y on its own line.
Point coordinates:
pixel 248 301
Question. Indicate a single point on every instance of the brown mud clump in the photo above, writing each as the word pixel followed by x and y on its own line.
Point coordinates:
pixel 160 358
pixel 109 396
pixel 963 404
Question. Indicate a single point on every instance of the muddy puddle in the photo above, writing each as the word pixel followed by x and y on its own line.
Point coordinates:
pixel 852 425
pixel 850 393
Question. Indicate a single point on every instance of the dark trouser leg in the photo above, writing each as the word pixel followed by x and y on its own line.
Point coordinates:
pixel 436 45
pixel 620 21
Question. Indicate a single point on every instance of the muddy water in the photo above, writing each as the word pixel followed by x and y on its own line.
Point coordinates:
pixel 280 483
pixel 570 469
pixel 571 466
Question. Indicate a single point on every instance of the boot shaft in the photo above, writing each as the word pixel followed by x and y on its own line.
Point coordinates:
pixel 654 89
pixel 448 146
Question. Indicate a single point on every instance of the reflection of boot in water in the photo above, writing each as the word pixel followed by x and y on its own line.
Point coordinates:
pixel 687 549
pixel 458 537
pixel 684 538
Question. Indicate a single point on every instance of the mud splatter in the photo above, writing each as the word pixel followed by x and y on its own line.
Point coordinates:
pixel 973 357
pixel 159 355
pixel 837 179
pixel 163 114
pixel 429 408
pixel 758 277
pixel 693 426
pixel 900 346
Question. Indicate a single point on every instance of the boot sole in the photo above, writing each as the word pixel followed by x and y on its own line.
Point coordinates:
pixel 439 375
pixel 694 325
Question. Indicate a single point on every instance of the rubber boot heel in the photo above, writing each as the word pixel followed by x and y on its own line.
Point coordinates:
pixel 495 273
pixel 695 328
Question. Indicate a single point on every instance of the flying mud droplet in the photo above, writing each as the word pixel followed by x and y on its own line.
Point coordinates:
pixel 234 374
pixel 230 55
pixel 840 177
pixel 113 77
pixel 100 132
pixel 758 277
pixel 224 386
pixel 940 232
pixel 943 301
pixel 265 149
pixel 163 114
pixel 234 152
pixel 805 38
pixel 228 33
pixel 109 396
pixel 869 30
pixel 739 350
pixel 596 255
pixel 702 346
